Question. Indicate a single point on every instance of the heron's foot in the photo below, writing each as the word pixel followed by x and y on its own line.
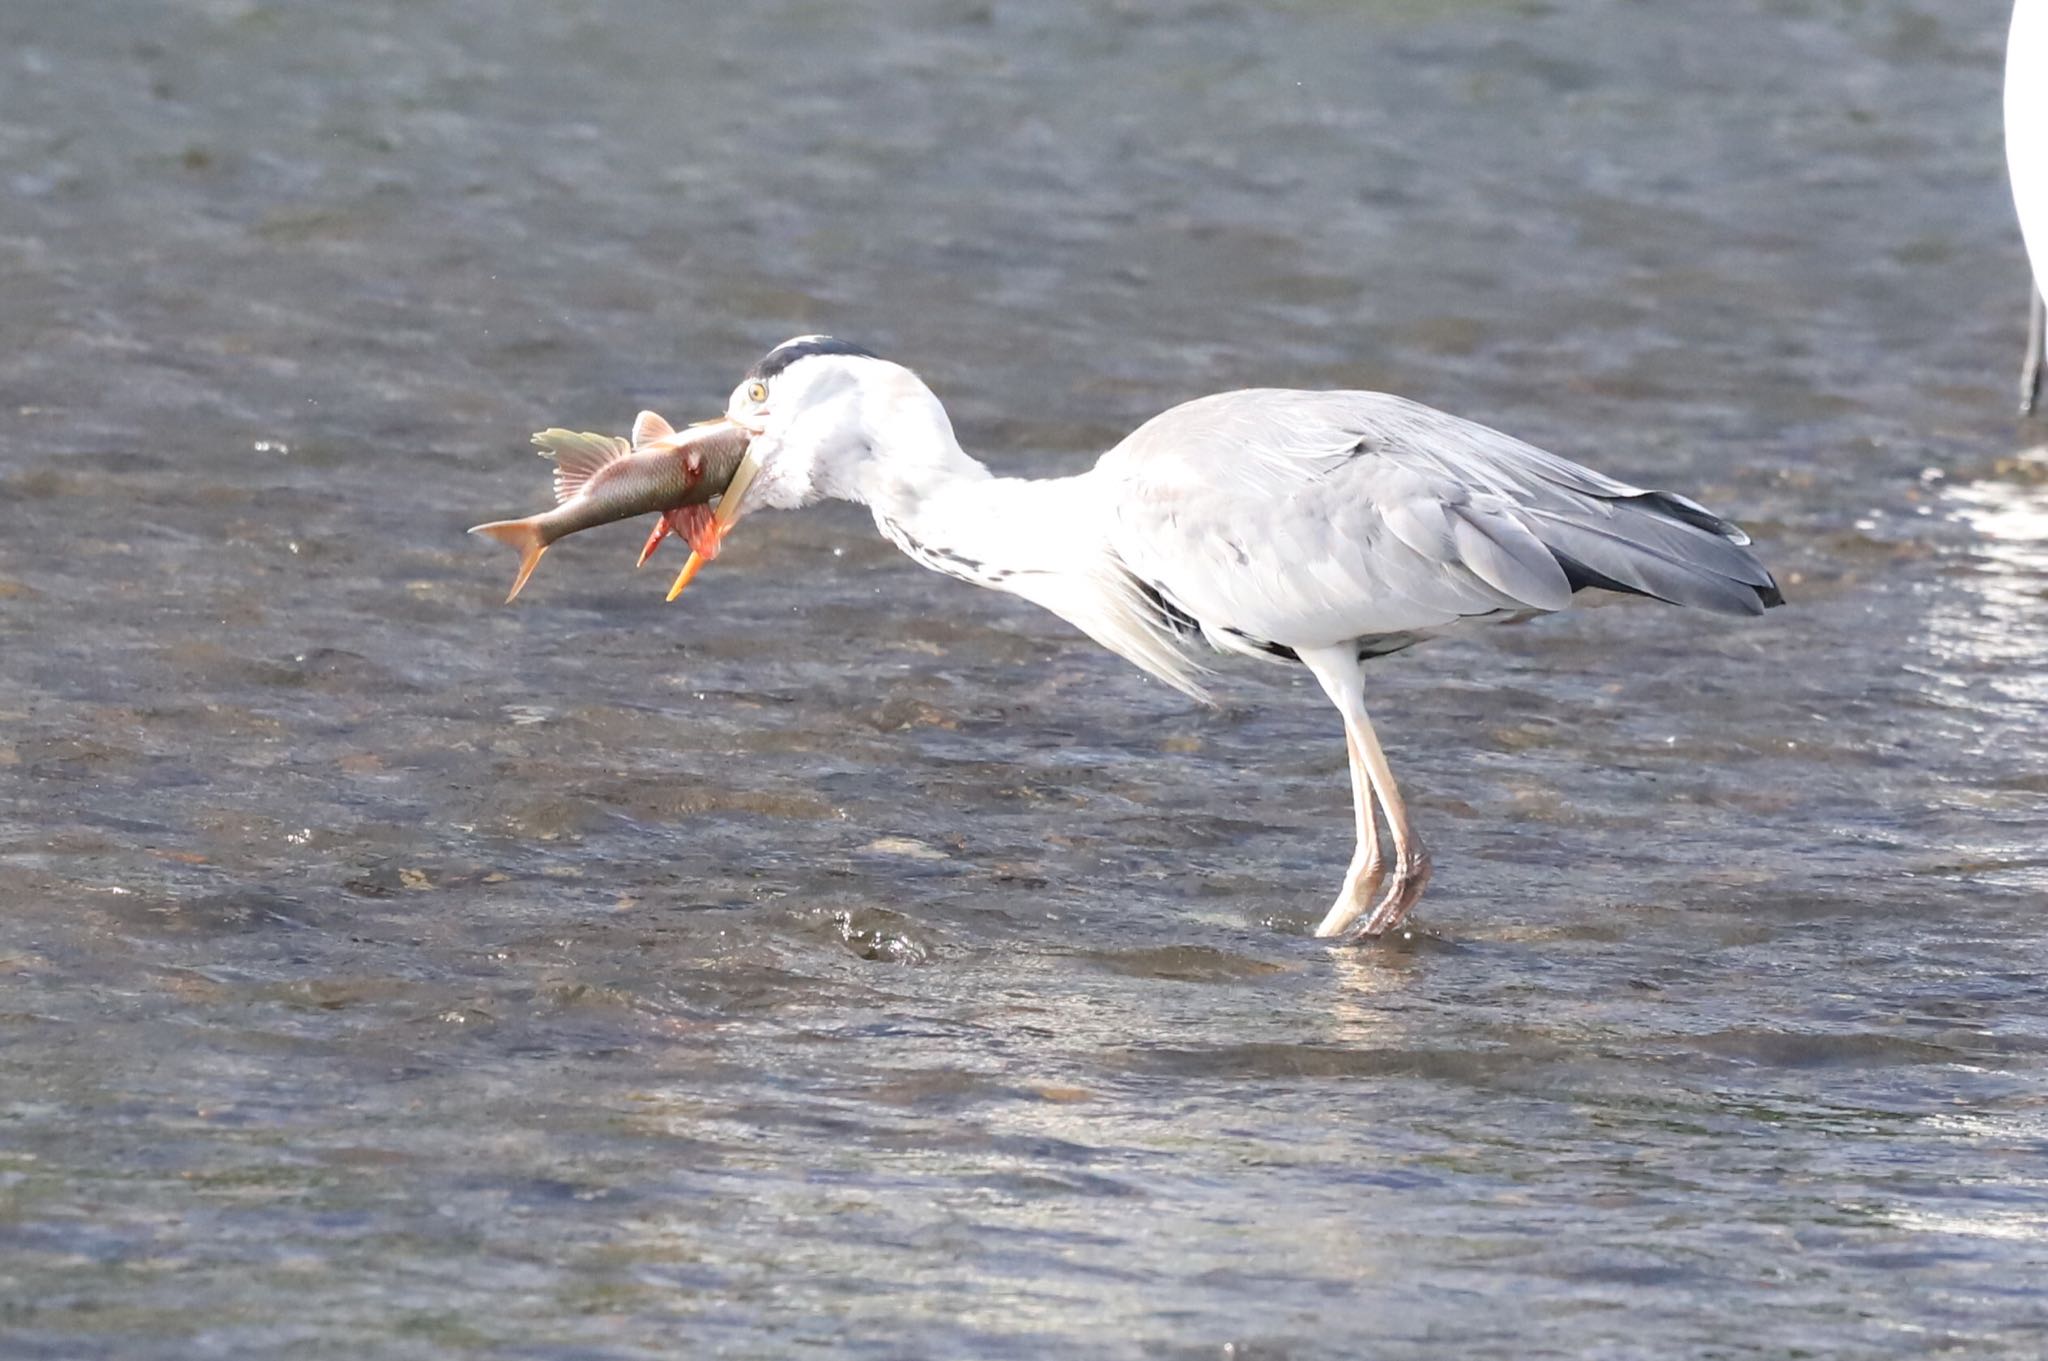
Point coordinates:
pixel 1411 876
pixel 1354 900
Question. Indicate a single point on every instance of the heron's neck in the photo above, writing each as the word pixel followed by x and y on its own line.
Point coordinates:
pixel 953 515
pixel 1045 539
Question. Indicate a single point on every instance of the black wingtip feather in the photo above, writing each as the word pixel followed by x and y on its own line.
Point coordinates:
pixel 1685 509
pixel 1581 578
pixel 1741 582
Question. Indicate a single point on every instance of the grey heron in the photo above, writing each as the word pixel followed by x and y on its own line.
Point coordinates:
pixel 1314 528
pixel 2026 161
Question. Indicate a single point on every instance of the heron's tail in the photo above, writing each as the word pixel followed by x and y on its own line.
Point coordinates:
pixel 1657 544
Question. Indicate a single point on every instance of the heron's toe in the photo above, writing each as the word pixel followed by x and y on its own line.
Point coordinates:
pixel 1411 876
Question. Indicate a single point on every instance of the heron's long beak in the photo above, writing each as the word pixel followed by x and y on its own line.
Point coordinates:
pixel 722 516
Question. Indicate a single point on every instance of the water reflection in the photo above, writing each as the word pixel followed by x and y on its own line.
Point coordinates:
pixel 1988 637
pixel 1998 628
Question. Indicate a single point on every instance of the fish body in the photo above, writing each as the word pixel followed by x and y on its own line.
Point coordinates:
pixel 602 478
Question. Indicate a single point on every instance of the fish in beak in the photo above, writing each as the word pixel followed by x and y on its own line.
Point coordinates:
pixel 693 523
pixel 600 478
pixel 707 537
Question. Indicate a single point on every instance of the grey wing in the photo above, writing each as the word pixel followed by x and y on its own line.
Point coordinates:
pixel 1308 519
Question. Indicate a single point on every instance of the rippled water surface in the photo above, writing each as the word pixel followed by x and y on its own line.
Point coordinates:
pixel 846 962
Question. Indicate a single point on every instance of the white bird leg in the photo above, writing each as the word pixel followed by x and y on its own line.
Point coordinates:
pixel 1411 858
pixel 1372 781
pixel 2030 371
pixel 1362 880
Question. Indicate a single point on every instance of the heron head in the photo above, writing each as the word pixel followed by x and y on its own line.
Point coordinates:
pixel 805 403
pixel 820 412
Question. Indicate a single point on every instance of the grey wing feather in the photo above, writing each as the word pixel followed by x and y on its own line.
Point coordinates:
pixel 1311 518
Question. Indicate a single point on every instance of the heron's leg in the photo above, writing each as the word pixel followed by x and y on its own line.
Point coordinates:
pixel 1372 785
pixel 1411 857
pixel 1362 880
pixel 2037 334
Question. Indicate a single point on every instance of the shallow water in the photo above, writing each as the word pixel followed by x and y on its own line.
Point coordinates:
pixel 843 961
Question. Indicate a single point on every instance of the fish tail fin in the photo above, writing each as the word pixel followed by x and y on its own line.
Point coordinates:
pixel 525 536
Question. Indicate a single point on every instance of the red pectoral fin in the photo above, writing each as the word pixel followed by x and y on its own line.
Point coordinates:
pixel 700 526
pixel 706 536
pixel 696 525
pixel 660 531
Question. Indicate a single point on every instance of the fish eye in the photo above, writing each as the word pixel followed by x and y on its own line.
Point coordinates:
pixel 757 392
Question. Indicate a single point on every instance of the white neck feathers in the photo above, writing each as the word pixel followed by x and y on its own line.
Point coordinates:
pixel 1047 540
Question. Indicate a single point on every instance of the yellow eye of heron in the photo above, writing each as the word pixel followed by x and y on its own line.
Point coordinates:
pixel 757 392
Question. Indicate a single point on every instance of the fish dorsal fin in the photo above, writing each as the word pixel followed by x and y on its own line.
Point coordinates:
pixel 648 427
pixel 577 457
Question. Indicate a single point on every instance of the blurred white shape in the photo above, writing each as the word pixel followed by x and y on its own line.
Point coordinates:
pixel 2026 160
